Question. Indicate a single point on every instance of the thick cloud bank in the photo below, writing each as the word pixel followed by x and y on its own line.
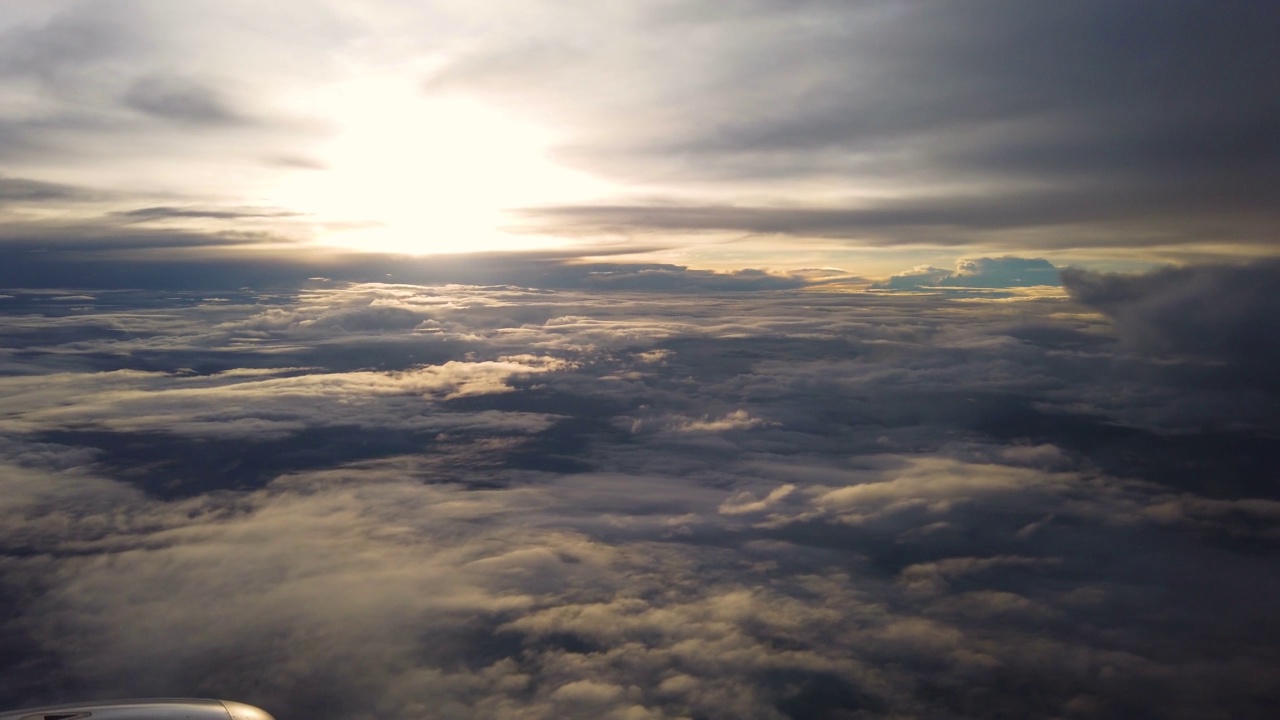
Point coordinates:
pixel 1224 312
pixel 465 501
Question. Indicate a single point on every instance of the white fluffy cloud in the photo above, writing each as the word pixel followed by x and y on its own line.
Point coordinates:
pixel 985 272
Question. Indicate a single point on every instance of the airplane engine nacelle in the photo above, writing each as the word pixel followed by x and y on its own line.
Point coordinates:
pixel 157 709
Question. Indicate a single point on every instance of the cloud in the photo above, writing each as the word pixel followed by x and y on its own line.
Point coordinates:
pixel 553 484
pixel 1097 137
pixel 382 499
pixel 507 615
pixel 35 254
pixel 669 278
pixel 1215 312
pixel 916 277
pixel 166 213
pixel 283 400
pixel 1007 219
pixel 1002 272
pixel 134 96
pixel 1099 132
pixel 747 503
pixel 59 44
pixel 118 253
pixel 23 191
pixel 180 100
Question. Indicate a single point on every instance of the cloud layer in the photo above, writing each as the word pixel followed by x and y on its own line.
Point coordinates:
pixel 454 501
pixel 669 460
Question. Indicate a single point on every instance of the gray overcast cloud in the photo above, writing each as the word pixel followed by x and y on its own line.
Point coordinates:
pixel 660 359
pixel 1102 132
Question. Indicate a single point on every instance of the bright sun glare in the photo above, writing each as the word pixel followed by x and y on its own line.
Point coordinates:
pixel 407 173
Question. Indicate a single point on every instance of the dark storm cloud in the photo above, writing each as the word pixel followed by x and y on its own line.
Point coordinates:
pixel 1216 312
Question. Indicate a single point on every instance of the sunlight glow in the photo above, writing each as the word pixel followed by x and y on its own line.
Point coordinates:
pixel 408 173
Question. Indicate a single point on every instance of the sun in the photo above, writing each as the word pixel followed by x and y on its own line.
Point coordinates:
pixel 408 173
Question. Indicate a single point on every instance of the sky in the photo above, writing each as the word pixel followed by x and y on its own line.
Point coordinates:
pixel 642 360
pixel 869 136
